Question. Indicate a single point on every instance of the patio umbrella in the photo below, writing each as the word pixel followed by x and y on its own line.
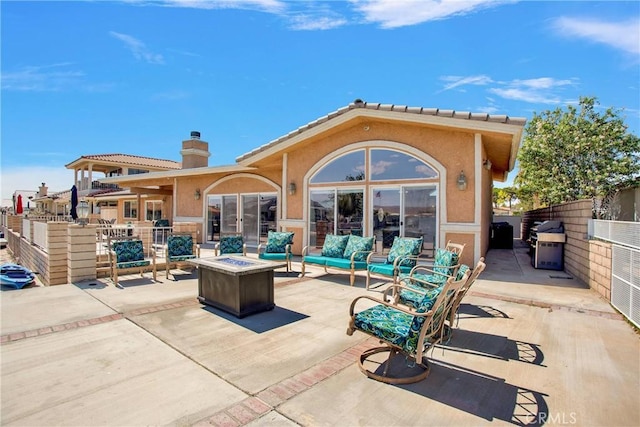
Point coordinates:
pixel 74 202
pixel 19 209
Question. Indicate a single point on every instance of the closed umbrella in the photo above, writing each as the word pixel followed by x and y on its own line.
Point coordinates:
pixel 19 209
pixel 74 202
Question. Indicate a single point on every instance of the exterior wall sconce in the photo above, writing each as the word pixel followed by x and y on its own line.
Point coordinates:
pixel 487 164
pixel 292 188
pixel 196 195
pixel 83 212
pixel 462 181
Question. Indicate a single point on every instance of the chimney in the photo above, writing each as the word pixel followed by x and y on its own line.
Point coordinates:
pixel 42 191
pixel 195 153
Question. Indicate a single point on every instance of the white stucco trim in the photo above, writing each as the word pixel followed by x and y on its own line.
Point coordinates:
pixel 285 194
pixel 477 173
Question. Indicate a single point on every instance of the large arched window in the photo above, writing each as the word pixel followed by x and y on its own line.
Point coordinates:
pixel 401 190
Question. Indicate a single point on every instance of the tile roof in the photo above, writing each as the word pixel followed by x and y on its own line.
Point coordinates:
pixel 462 115
pixel 129 159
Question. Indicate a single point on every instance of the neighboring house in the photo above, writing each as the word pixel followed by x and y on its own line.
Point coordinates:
pixel 109 201
pixel 370 169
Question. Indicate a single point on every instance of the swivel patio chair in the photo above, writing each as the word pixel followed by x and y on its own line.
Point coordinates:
pixel 180 247
pixel 453 311
pixel 402 258
pixel 230 245
pixel 402 331
pixel 277 248
pixel 443 265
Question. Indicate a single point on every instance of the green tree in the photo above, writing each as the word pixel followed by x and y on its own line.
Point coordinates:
pixel 576 154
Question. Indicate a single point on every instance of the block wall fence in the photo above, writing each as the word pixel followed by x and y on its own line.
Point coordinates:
pixel 586 260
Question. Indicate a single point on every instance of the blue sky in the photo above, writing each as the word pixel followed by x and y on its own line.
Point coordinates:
pixel 135 77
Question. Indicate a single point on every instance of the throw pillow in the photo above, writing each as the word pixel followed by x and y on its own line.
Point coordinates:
pixel 404 247
pixel 334 245
pixel 277 241
pixel 358 244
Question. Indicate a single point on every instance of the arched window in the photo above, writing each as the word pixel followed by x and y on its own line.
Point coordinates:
pixel 349 167
pixel 391 165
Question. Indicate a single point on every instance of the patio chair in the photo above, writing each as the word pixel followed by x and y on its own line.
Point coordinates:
pixel 402 258
pixel 453 311
pixel 126 254
pixel 402 331
pixel 180 247
pixel 230 245
pixel 444 265
pixel 277 248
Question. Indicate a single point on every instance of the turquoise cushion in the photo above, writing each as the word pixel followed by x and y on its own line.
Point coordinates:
pixel 181 258
pixel 128 250
pixel 385 323
pixel 133 264
pixel 362 245
pixel 384 269
pixel 274 256
pixel 315 259
pixel 180 245
pixel 444 260
pixel 405 247
pixel 346 264
pixel 277 241
pixel 415 299
pixel 231 245
pixel 334 245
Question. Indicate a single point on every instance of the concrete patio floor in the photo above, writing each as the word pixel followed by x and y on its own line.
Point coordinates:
pixel 533 347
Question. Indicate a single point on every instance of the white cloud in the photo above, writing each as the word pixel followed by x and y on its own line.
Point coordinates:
pixel 272 6
pixel 400 13
pixel 41 78
pixel 457 81
pixel 624 36
pixel 138 48
pixel 519 94
pixel 311 22
pixel 29 178
pixel 544 90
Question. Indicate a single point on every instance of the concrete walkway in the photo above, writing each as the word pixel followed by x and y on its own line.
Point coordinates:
pixel 533 347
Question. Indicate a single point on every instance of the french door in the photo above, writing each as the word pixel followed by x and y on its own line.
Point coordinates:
pixel 404 211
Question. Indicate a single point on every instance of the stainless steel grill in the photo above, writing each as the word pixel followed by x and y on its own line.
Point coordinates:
pixel 547 245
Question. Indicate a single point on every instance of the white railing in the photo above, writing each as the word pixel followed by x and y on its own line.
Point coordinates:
pixel 625 264
pixel 26 228
pixel 152 237
pixel 40 238
pixel 51 217
pixel 625 282
pixel 625 233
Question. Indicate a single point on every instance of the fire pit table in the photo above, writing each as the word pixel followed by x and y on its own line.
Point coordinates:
pixel 236 284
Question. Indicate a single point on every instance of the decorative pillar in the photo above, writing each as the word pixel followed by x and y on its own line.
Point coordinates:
pixel 81 253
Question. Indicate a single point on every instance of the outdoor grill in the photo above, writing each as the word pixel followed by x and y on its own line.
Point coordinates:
pixel 547 245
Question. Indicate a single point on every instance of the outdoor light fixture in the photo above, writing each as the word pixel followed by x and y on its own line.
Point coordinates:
pixel 196 195
pixel 487 164
pixel 292 188
pixel 462 181
pixel 83 212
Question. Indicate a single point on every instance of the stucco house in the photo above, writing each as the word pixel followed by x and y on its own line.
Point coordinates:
pixel 367 168
pixel 111 201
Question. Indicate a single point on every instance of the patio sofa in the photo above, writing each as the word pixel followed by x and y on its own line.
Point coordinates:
pixel 348 252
